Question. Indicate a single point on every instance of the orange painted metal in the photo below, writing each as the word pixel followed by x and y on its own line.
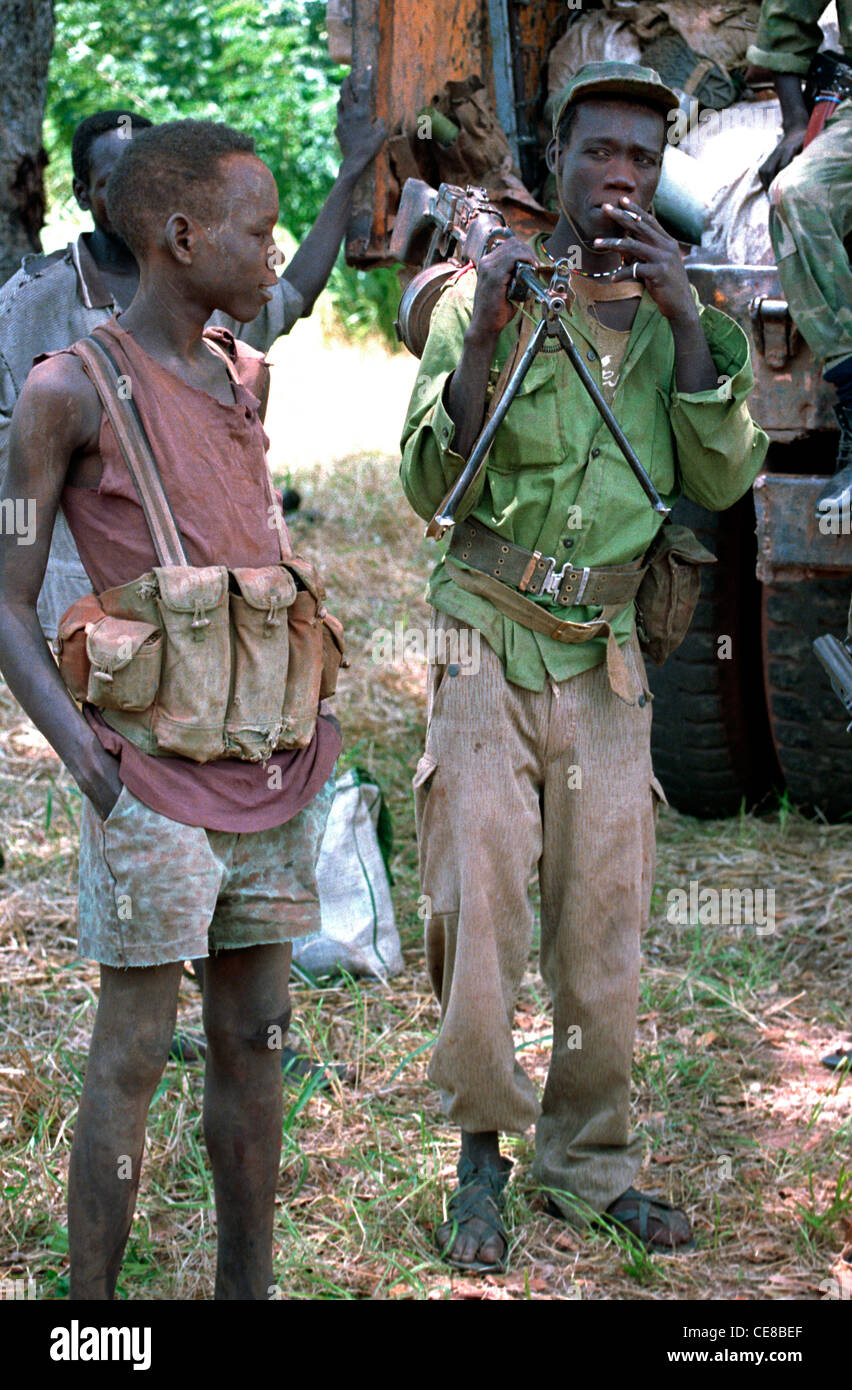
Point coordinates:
pixel 414 50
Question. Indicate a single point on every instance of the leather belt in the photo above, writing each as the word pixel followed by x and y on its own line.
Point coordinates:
pixel 535 574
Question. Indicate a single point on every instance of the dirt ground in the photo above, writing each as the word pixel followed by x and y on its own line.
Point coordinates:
pixel 742 1125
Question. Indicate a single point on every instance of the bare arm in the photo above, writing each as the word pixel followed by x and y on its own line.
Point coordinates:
pixel 360 140
pixel 794 118
pixel 57 415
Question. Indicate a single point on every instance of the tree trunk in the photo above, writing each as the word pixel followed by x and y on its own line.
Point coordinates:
pixel 26 40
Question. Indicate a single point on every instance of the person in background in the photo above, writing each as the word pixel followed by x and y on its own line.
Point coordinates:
pixel 810 207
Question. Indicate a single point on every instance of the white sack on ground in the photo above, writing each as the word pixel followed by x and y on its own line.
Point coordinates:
pixel 359 932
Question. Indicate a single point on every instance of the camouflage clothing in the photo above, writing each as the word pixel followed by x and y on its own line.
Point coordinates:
pixel 810 216
pixel 153 891
pixel 810 211
pixel 789 35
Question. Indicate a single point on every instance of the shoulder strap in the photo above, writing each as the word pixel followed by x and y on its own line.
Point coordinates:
pixel 102 369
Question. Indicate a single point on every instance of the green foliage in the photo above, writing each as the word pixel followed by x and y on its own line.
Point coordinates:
pixel 366 300
pixel 260 65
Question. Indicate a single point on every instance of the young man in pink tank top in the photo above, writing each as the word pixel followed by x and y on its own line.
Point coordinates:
pixel 179 859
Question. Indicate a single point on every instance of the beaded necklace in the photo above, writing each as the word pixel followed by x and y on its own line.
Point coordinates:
pixel 575 270
pixel 596 274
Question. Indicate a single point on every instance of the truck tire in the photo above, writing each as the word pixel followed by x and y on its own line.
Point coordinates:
pixel 710 736
pixel 807 719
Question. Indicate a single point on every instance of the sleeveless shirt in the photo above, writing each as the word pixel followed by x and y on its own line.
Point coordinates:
pixel 212 460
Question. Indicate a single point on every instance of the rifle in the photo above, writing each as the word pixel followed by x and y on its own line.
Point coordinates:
pixel 836 660
pixel 829 81
pixel 450 228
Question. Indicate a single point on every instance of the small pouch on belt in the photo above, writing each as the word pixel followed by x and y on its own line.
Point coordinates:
pixel 260 603
pixel 189 718
pixel 125 664
pixel 332 654
pixel 670 590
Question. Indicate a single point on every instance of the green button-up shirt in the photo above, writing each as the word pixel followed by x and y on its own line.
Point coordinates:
pixel 555 480
pixel 789 36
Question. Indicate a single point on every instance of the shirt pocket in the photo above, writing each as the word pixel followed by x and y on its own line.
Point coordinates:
pixel 531 434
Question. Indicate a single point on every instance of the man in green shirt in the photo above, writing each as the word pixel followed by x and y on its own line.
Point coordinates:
pixel 537 754
pixel 810 209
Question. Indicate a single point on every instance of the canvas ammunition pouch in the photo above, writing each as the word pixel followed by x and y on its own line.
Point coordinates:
pixel 665 583
pixel 671 586
pixel 198 661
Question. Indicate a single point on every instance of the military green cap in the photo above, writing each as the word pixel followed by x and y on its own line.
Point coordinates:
pixel 612 79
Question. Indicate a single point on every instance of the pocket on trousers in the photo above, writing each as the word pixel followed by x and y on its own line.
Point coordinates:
pixel 189 718
pixel 421 782
pixel 261 649
pixel 425 768
pixel 125 660
pixel 122 796
pixel 657 794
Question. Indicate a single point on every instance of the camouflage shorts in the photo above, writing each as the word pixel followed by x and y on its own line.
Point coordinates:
pixel 153 891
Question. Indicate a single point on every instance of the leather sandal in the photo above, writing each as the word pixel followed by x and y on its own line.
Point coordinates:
pixel 479 1197
pixel 840 1057
pixel 661 1228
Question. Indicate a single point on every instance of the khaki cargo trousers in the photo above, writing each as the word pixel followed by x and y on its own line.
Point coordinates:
pixel 558 784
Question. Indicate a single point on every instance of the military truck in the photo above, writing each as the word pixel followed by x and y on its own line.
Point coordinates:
pixel 743 709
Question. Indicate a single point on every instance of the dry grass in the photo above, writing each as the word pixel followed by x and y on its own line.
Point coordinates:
pixel 741 1123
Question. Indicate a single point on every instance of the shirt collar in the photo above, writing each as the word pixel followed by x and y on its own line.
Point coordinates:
pixel 93 291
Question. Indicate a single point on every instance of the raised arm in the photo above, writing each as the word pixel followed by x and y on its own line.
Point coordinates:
pixel 360 139
pixel 56 419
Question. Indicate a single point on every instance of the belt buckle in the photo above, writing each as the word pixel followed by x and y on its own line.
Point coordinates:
pixel 555 580
pixel 552 579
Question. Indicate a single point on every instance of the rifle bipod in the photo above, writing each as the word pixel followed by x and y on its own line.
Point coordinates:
pixel 554 300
